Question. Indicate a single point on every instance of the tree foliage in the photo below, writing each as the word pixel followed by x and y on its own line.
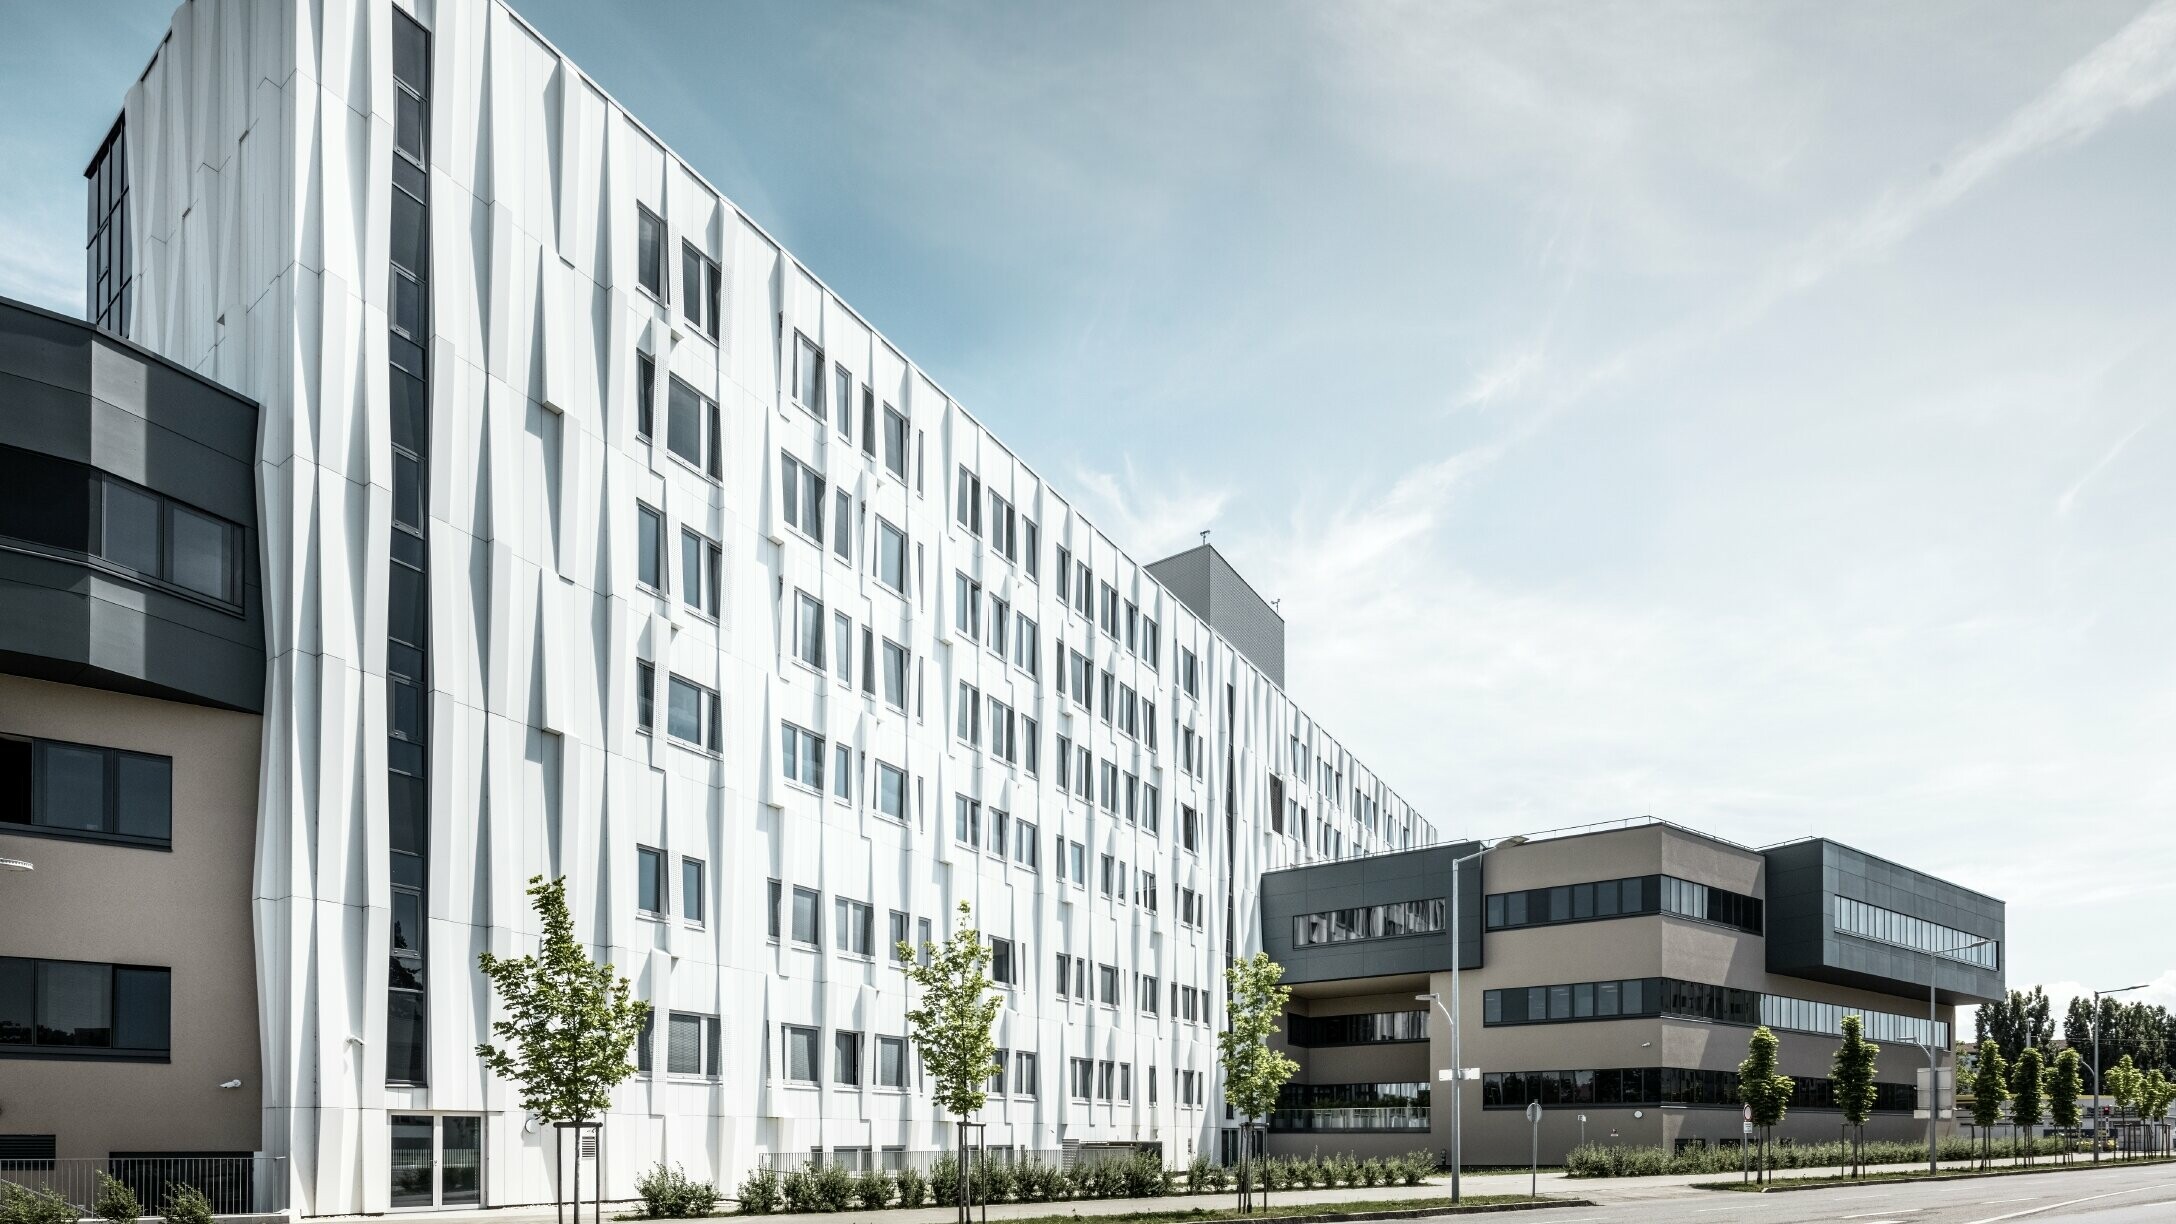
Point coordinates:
pixel 1765 1090
pixel 2124 1080
pixel 569 1023
pixel 1990 1087
pixel 2028 1084
pixel 2022 1019
pixel 1853 1072
pixel 1254 1074
pixel 2146 1032
pixel 951 1025
pixel 2065 1082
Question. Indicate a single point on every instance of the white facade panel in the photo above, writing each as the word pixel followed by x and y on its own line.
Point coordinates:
pixel 261 158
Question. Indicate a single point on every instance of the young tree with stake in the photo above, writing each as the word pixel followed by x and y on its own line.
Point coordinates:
pixel 568 1024
pixel 1254 1074
pixel 1990 1088
pixel 951 1027
pixel 2027 1095
pixel 2065 1082
pixel 1853 1072
pixel 1765 1090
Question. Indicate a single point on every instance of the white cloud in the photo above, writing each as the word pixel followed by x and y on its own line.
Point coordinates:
pixel 1151 517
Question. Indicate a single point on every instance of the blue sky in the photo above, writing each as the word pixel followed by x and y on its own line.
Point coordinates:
pixel 1753 416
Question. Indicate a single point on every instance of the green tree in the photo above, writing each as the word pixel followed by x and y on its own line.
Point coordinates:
pixel 2124 1080
pixel 2027 1096
pixel 1990 1088
pixel 1254 1074
pixel 2155 1092
pixel 951 1026
pixel 2020 1020
pixel 2065 1082
pixel 568 1024
pixel 1853 1072
pixel 1765 1090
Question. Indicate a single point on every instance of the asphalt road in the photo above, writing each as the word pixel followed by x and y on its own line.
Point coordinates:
pixel 2113 1195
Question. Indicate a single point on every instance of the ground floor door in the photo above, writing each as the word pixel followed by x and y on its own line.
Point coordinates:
pixel 438 1160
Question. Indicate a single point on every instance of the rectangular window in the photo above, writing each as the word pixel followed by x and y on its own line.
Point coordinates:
pixel 891 791
pixel 85 791
pixel 891 1062
pixel 808 376
pixel 650 252
pixel 842 647
pixel 1024 1074
pixel 967 607
pixel 645 394
pixel 691 1044
pixel 699 289
pixel 645 697
pixel 801 495
pixel 842 527
pixel 1107 984
pixel 649 880
pixel 967 511
pixel 691 427
pixel 649 547
pixel 808 629
pixel 895 675
pixel 80 1009
pixel 891 557
pixel 853 925
pixel 846 1058
pixel 692 897
pixel 842 772
pixel 802 1064
pixel 807 917
pixel 1005 967
pixel 699 565
pixel 895 442
pixel 691 714
pixel 804 756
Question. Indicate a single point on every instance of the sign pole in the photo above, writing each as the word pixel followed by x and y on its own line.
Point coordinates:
pixel 1533 1170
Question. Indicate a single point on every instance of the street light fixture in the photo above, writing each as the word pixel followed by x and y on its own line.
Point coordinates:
pixel 2096 1058
pixel 14 864
pixel 1450 1014
pixel 1934 1052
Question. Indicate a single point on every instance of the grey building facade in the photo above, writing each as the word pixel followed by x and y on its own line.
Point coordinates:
pixel 1615 977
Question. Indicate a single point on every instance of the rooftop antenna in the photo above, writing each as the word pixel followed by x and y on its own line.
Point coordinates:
pixel 1205 535
pixel 1276 605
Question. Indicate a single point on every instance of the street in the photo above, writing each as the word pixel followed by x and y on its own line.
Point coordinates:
pixel 2112 1195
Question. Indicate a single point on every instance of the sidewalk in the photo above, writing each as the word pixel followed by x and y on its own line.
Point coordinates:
pixel 1599 1189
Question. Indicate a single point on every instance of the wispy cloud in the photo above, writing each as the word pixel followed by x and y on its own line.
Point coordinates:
pixel 1149 517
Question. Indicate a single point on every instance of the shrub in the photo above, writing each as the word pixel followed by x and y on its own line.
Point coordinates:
pixel 115 1203
pixel 1144 1176
pixel 873 1189
pixel 671 1195
pixel 185 1204
pixel 1276 1173
pixel 1220 1179
pixel 1197 1175
pixel 913 1187
pixel 834 1187
pixel 994 1182
pixel 759 1191
pixel 944 1181
pixel 799 1187
pixel 1414 1166
pixel 22 1205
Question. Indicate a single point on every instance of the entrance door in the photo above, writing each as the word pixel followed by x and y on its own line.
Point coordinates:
pixel 438 1161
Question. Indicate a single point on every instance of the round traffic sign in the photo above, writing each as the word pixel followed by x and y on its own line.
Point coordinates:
pixel 1533 1111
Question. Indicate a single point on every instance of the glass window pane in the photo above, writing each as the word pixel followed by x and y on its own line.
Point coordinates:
pixel 141 1009
pixel 73 792
pixel 684 423
pixel 684 712
pixel 202 549
pixel 649 882
pixel 143 796
pixel 75 1004
pixel 130 528
pixel 18 979
pixel 684 1045
pixel 691 890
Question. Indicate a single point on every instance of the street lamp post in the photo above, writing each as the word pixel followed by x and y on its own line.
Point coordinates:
pixel 14 864
pixel 2096 1059
pixel 1450 1014
pixel 1934 1053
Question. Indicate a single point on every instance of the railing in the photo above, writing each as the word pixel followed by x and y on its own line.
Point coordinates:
pixel 1352 1118
pixel 893 1160
pixel 235 1185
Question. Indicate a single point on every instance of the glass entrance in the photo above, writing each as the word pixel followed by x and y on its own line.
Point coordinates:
pixel 437 1161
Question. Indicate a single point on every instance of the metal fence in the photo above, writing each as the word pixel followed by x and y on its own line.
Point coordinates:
pixel 856 1159
pixel 234 1185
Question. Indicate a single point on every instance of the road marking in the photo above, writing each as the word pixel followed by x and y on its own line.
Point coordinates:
pixel 2065 1203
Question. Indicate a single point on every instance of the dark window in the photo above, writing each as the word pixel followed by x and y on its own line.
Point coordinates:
pixel 73 508
pixel 645 696
pixel 107 268
pixel 691 889
pixel 650 251
pixel 649 880
pixel 650 548
pixel 691 427
pixel 699 289
pixel 77 789
pixel 84 1008
pixel 645 394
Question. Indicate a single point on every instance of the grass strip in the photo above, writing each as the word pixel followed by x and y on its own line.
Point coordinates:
pixel 1824 1183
